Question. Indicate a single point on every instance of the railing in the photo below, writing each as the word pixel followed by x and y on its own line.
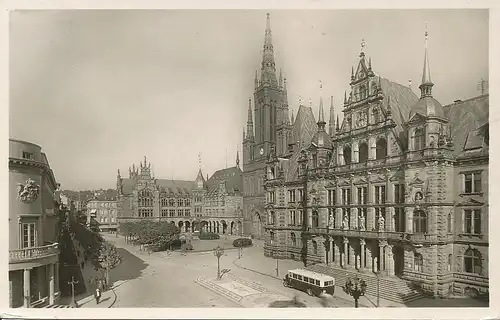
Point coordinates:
pixel 33 253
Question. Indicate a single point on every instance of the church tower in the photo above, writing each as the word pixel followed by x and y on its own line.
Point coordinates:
pixel 268 129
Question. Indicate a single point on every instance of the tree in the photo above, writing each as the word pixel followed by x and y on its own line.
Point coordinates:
pixel 108 258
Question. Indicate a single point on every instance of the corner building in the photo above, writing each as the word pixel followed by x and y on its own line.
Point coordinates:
pixel 33 228
pixel 399 189
pixel 213 204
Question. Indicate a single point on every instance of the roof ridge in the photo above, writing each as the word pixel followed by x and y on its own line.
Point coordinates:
pixel 466 100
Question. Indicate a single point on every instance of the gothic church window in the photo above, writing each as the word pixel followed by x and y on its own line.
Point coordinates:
pixel 376 115
pixel 362 92
pixel 381 149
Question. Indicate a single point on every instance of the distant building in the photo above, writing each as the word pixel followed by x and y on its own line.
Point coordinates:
pixel 33 228
pixel 399 188
pixel 103 208
pixel 214 204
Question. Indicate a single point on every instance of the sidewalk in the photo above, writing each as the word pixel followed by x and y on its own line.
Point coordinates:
pixel 108 299
pixel 267 267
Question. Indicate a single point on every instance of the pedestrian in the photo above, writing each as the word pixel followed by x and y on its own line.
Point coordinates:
pixel 97 295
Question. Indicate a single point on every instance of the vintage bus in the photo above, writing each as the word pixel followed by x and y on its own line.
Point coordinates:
pixel 311 282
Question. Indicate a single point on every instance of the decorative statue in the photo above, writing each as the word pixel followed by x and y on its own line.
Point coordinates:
pixel 345 223
pixel 29 192
pixel 331 221
pixel 381 223
pixel 362 223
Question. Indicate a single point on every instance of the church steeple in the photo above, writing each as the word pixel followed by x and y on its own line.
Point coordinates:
pixel 321 116
pixel 426 86
pixel 331 125
pixel 268 74
pixel 249 121
pixel 237 159
pixel 293 119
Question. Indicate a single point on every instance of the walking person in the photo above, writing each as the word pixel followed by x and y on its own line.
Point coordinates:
pixel 97 295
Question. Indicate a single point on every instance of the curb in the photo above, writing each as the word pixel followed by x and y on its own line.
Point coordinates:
pixel 114 300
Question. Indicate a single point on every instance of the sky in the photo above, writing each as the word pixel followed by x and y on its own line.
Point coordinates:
pixel 101 89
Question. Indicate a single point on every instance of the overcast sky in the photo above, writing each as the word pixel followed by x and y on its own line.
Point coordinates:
pixel 99 90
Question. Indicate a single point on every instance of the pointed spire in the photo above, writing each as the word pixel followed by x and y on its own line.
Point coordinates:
pixel 285 93
pixel 337 124
pixel 426 86
pixel 352 73
pixel 370 64
pixel 345 97
pixel 389 108
pixel 268 74
pixel 321 116
pixel 281 79
pixel 293 119
pixel 256 80
pixel 249 121
pixel 133 167
pixel 118 173
pixel 363 43
pixel 145 162
pixel 331 125
pixel 237 159
pixel 244 134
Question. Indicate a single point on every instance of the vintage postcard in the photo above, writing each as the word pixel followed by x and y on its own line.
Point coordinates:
pixel 271 159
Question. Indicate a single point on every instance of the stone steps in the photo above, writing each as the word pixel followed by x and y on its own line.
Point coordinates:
pixel 211 286
pixel 392 289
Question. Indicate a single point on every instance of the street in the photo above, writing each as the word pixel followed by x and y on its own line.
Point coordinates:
pixel 161 280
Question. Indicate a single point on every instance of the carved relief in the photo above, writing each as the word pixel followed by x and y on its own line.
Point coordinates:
pixel 29 192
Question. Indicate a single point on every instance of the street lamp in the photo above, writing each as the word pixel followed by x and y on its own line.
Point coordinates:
pixel 218 252
pixel 73 303
pixel 356 288
pixel 277 260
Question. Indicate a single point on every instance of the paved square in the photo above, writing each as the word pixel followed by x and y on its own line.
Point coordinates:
pixel 237 288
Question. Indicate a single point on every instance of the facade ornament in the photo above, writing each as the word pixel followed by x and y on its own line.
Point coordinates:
pixel 345 223
pixel 331 220
pixel 29 192
pixel 362 223
pixel 381 223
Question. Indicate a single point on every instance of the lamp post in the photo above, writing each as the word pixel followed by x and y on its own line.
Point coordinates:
pixel 218 252
pixel 356 288
pixel 378 289
pixel 277 260
pixel 73 301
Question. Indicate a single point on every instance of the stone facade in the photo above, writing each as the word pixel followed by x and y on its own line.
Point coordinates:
pixel 398 188
pixel 103 208
pixel 213 204
pixel 33 228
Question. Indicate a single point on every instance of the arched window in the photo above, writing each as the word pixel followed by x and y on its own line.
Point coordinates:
pixel 472 261
pixel 363 152
pixel 419 221
pixel 419 139
pixel 271 217
pixel 418 262
pixel 347 155
pixel 381 149
pixel 376 115
pixel 294 239
pixel 315 222
pixel 145 198
pixel 315 247
pixel 449 224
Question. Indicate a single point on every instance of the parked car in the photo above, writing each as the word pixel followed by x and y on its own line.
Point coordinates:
pixel 242 242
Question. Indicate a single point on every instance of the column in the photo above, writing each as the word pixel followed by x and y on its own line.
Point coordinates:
pixel 390 222
pixel 355 152
pixel 344 254
pixel 330 256
pixel 352 255
pixel 362 254
pixel 336 249
pixel 51 284
pixel 309 218
pixel 27 288
pixel 381 255
pixel 409 219
pixel 341 156
pixel 372 148
pixel 338 218
pixel 390 261
pixel 368 261
pixel 56 277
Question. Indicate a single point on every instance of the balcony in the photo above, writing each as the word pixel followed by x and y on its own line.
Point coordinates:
pixel 27 254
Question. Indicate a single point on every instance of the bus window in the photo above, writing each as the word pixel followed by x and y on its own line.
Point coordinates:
pixel 306 279
pixel 317 282
pixel 311 281
pixel 299 277
pixel 294 276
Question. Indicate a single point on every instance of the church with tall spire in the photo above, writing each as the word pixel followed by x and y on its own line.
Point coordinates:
pixel 397 189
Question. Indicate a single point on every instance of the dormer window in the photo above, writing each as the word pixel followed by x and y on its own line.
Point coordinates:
pixel 419 139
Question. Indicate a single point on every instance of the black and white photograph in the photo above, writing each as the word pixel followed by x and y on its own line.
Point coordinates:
pixel 264 158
